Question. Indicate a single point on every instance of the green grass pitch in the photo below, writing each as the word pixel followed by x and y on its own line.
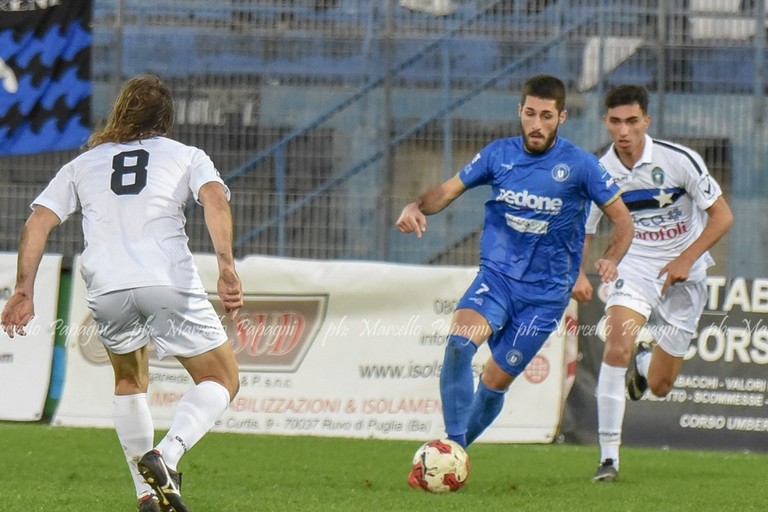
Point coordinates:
pixel 56 469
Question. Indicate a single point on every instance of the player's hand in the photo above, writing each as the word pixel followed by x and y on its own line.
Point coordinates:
pixel 230 291
pixel 18 311
pixel 677 271
pixel 607 270
pixel 412 220
pixel 582 289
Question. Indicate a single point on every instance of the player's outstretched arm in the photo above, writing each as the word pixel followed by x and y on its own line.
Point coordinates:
pixel 413 217
pixel 621 237
pixel 218 220
pixel 719 221
pixel 20 308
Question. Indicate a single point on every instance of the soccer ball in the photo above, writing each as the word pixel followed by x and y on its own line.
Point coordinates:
pixel 439 466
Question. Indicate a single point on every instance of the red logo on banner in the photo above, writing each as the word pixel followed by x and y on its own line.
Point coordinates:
pixel 273 333
pixel 537 370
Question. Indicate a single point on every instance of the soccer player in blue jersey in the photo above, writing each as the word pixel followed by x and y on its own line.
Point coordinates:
pixel 679 213
pixel 530 251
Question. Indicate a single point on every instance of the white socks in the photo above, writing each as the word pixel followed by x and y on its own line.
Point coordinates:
pixel 643 362
pixel 611 403
pixel 133 424
pixel 196 413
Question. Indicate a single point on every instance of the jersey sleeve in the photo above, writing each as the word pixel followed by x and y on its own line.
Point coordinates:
pixel 479 171
pixel 601 187
pixel 203 171
pixel 701 186
pixel 60 196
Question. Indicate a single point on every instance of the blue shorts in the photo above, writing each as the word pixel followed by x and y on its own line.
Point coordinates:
pixel 520 318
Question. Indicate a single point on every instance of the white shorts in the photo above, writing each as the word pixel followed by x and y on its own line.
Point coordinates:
pixel 179 322
pixel 672 319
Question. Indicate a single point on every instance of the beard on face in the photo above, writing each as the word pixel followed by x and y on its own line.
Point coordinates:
pixel 548 141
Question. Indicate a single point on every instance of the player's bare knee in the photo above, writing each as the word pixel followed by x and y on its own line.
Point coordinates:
pixel 617 354
pixel 497 381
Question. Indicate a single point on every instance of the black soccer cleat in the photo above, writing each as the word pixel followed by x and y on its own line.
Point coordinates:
pixel 606 472
pixel 149 503
pixel 636 383
pixel 165 482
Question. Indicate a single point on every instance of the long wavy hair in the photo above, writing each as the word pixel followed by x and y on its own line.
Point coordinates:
pixel 143 108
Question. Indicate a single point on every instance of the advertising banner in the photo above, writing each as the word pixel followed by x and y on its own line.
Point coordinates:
pixel 720 398
pixel 328 348
pixel 25 361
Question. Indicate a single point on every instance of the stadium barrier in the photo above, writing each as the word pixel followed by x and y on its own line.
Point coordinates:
pixel 25 362
pixel 720 398
pixel 353 349
pixel 327 348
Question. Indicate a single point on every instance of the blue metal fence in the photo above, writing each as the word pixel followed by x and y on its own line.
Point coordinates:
pixel 325 116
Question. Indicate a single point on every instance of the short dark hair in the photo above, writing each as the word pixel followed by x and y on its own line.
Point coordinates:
pixel 545 86
pixel 627 95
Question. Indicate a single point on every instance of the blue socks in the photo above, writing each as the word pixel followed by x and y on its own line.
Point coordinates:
pixel 485 408
pixel 457 386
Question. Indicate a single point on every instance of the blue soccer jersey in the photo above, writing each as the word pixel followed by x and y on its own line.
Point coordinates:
pixel 535 218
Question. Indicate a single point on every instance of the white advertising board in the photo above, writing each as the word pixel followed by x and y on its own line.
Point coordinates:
pixel 25 361
pixel 329 348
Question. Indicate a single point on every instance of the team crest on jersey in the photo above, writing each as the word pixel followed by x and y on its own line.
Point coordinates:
pixel 514 357
pixel 657 175
pixel 560 172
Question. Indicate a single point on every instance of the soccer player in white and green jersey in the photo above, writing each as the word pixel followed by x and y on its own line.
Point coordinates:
pixel 679 212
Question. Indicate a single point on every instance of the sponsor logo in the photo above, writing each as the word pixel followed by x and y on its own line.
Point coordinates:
pixel 658 220
pixel 707 187
pixel 537 227
pixel 537 370
pixel 273 333
pixel 665 233
pixel 619 283
pixel 560 172
pixel 657 175
pixel 507 167
pixel 526 200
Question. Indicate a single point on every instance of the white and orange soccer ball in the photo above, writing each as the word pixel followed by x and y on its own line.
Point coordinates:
pixel 439 466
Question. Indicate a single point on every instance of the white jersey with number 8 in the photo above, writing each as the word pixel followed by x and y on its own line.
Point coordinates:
pixel 132 196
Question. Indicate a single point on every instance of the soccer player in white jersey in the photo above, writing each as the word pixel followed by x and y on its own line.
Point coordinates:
pixel 132 185
pixel 541 186
pixel 679 212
